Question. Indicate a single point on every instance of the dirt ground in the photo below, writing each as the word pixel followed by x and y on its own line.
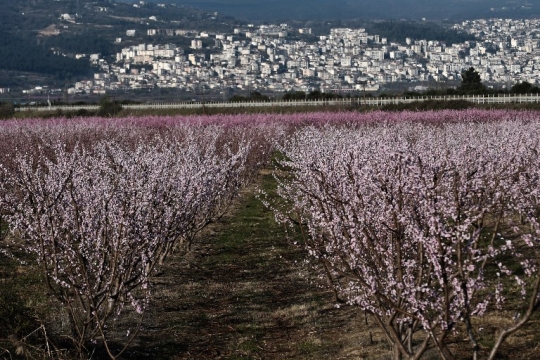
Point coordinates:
pixel 244 293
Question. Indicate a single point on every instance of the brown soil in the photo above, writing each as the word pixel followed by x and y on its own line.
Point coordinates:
pixel 246 294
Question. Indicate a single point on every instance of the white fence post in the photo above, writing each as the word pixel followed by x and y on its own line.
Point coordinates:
pixel 479 99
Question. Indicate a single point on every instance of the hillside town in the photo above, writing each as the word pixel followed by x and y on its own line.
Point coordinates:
pixel 268 58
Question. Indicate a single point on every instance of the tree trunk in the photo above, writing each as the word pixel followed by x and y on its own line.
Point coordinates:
pixel 397 353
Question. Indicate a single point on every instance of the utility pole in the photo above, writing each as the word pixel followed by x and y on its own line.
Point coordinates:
pixel 65 91
pixel 203 99
pixel 363 83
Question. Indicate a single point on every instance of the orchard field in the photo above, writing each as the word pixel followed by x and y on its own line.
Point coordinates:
pixel 320 235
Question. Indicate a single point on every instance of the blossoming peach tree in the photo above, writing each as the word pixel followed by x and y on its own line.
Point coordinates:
pixel 427 228
pixel 100 219
pixel 3 192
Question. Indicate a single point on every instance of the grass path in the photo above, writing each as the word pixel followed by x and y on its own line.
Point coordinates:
pixel 245 295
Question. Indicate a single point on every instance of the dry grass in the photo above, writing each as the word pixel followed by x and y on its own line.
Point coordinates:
pixel 244 295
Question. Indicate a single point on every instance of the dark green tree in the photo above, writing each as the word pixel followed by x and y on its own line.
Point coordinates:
pixel 524 88
pixel 108 107
pixel 257 96
pixel 471 82
pixel 238 98
pixel 254 96
pixel 315 94
pixel 295 95
pixel 6 110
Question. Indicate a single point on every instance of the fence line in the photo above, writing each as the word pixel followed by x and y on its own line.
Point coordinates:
pixel 477 99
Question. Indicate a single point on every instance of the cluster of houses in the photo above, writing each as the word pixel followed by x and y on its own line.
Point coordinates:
pixel 267 58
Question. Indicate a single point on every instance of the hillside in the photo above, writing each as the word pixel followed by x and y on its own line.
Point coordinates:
pixel 43 36
pixel 269 10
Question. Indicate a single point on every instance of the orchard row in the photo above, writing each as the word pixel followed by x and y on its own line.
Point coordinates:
pixel 427 221
pixel 427 228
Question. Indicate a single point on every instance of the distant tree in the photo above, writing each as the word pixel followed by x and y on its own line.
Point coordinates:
pixel 524 88
pixel 471 82
pixel 237 98
pixel 330 95
pixel 294 95
pixel 257 96
pixel 108 108
pixel 315 94
pixel 254 96
pixel 6 110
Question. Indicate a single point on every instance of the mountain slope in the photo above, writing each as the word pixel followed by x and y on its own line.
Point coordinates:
pixel 367 9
